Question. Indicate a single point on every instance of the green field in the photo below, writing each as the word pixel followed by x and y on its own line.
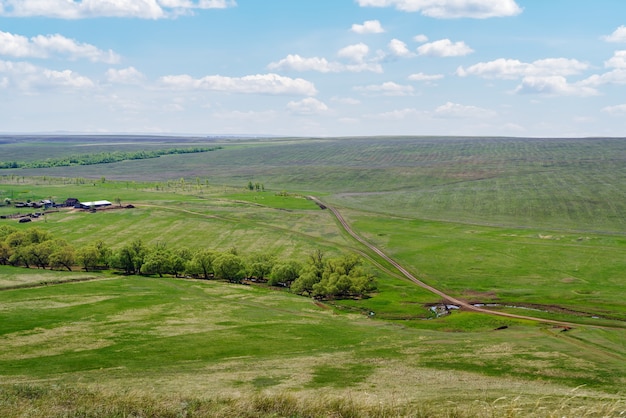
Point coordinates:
pixel 532 226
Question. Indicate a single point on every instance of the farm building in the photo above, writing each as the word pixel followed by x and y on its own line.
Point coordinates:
pixel 95 205
pixel 71 202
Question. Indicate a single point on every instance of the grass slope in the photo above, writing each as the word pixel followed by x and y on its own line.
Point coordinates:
pixel 213 340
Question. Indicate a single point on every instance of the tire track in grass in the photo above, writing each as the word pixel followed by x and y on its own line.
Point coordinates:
pixel 465 305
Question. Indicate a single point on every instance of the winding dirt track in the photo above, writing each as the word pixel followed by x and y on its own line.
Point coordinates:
pixel 445 296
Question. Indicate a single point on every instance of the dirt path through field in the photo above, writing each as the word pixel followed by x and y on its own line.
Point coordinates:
pixel 452 300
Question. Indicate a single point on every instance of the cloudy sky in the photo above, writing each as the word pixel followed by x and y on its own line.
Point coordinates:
pixel 314 67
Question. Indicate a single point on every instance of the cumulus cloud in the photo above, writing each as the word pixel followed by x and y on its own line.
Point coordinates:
pixel 399 114
pixel 445 48
pixel 617 61
pixel 554 86
pixel 425 77
pixel 80 9
pixel 128 75
pixel 65 78
pixel 399 48
pixel 513 69
pixel 455 110
pixel 252 84
pixel 448 9
pixel 356 55
pixel 294 62
pixel 369 26
pixel 420 38
pixel 618 110
pixel 307 106
pixel 619 35
pixel 27 77
pixel 356 52
pixel 616 77
pixel 45 46
pixel 386 89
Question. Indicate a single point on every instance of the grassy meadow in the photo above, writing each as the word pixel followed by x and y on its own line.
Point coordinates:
pixel 532 226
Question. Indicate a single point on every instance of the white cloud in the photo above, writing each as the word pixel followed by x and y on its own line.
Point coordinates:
pixel 128 75
pixel 252 84
pixel 369 26
pixel 425 77
pixel 249 116
pixel 618 110
pixel 420 38
pixel 75 9
pixel 297 63
pixel 619 35
pixel 617 61
pixel 399 48
pixel 28 77
pixel 322 65
pixel 356 52
pixel 399 114
pixel 617 77
pixel 447 9
pixel 346 100
pixel 455 110
pixel 513 69
pixel 307 106
pixel 49 45
pixel 386 89
pixel 445 48
pixel 553 86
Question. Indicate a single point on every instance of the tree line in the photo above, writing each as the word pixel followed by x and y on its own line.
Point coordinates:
pixel 102 158
pixel 318 276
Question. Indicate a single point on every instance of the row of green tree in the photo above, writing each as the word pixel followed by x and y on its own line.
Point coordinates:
pixel 102 158
pixel 318 276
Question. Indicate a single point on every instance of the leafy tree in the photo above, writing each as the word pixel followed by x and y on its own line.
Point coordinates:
pixel 16 239
pixel 130 257
pixel 5 231
pixel 19 257
pixel 104 254
pixel 37 235
pixel 260 265
pixel 201 264
pixel 63 255
pixel 316 262
pixel 157 261
pixel 340 278
pixel 178 261
pixel 229 267
pixel 5 253
pixel 305 282
pixel 283 274
pixel 88 257
pixel 39 253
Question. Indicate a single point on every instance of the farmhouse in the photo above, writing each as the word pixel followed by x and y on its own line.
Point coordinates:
pixel 96 204
pixel 71 202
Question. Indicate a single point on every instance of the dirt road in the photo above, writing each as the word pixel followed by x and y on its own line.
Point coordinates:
pixel 449 299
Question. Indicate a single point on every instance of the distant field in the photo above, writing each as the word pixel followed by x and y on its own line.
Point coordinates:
pixel 535 226
pixel 574 184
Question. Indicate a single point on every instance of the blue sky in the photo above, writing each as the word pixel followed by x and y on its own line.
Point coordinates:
pixel 314 67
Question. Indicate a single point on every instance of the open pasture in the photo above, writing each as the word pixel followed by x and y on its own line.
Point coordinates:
pixel 210 341
pixel 574 184
pixel 533 225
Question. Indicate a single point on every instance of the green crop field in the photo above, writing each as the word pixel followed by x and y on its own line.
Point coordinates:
pixel 534 227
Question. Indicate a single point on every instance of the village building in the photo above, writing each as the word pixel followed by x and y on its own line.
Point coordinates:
pixel 95 205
